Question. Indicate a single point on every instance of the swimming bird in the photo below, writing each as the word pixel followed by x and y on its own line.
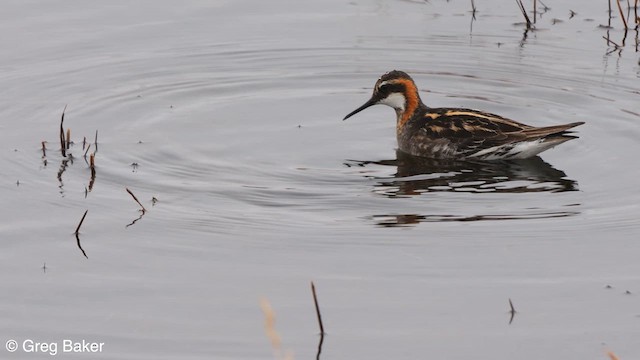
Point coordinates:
pixel 458 133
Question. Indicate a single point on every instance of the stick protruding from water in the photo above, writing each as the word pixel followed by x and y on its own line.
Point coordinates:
pixel 136 199
pixel 77 234
pixel 315 301
pixel 524 13
pixel 63 142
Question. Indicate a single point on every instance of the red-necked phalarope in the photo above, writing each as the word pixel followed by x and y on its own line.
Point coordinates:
pixel 458 133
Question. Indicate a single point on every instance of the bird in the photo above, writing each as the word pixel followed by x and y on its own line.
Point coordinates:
pixel 458 133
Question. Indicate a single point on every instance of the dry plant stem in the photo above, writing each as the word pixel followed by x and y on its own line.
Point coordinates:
pixel 68 139
pixel 78 232
pixel 611 42
pixel 315 301
pixel 136 199
pixel 535 11
pixel 81 221
pixel 44 150
pixel 524 13
pixel 62 140
pixel 95 142
pixel 86 151
pixel 624 21
pixel 84 142
pixel 92 165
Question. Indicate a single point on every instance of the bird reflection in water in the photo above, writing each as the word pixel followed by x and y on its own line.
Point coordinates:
pixel 417 176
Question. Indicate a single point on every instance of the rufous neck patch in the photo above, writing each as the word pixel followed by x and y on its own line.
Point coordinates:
pixel 411 96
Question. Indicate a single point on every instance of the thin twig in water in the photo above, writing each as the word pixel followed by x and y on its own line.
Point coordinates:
pixel 92 165
pixel 512 311
pixel 535 11
pixel 611 42
pixel 44 149
pixel 84 142
pixel 136 199
pixel 86 151
pixel 62 140
pixel 524 13
pixel 78 232
pixel 624 21
pixel 315 301
pixel 95 142
pixel 81 221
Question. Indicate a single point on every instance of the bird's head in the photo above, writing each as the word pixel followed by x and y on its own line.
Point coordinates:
pixel 395 89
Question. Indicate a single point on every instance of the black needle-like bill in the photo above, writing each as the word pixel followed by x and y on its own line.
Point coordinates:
pixel 371 102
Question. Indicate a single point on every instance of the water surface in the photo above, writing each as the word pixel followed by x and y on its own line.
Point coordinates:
pixel 229 115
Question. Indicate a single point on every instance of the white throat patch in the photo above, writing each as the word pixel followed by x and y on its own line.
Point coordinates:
pixel 395 100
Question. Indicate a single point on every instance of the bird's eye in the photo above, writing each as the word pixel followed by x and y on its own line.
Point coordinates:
pixel 383 87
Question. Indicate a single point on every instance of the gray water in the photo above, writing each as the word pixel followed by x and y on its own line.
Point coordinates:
pixel 228 113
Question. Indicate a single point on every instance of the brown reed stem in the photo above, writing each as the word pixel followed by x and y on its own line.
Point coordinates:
pixel 315 301
pixel 611 42
pixel 92 165
pixel 44 149
pixel 624 21
pixel 81 221
pixel 524 13
pixel 86 151
pixel 136 199
pixel 95 142
pixel 78 232
pixel 84 142
pixel 535 11
pixel 62 140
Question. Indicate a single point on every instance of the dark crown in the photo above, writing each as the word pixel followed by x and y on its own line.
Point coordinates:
pixel 395 74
